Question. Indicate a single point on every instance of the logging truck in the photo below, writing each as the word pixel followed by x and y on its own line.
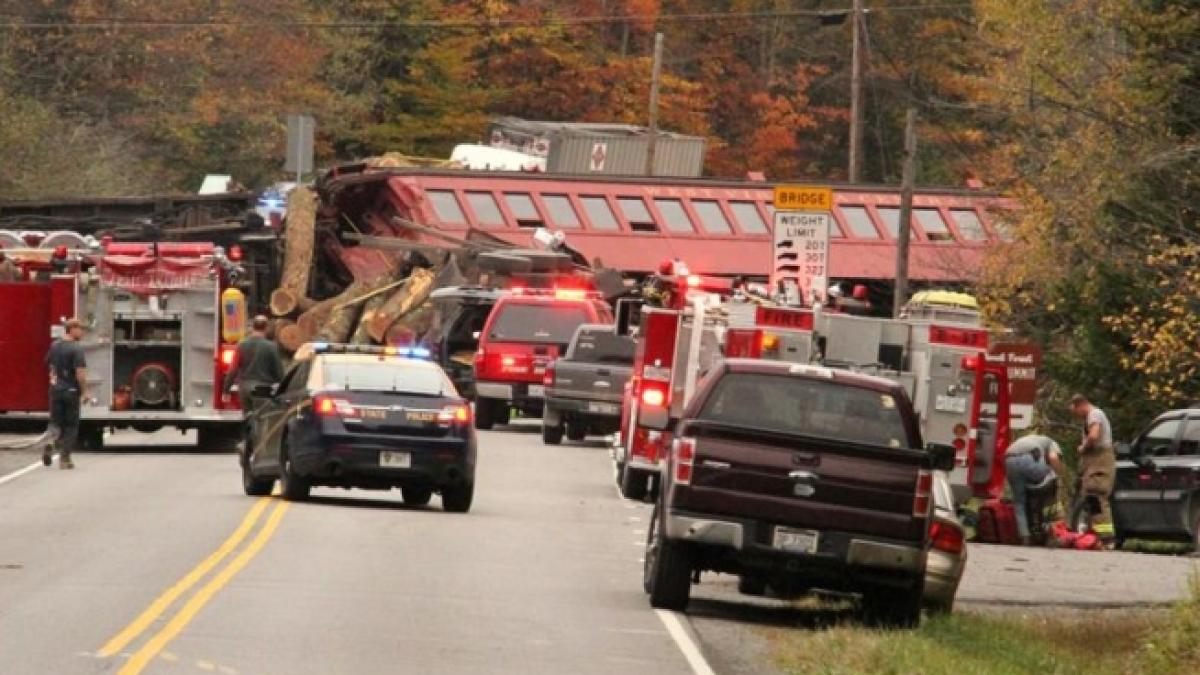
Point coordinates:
pixel 162 324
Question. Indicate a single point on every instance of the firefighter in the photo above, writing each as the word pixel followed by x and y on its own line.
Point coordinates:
pixel 68 388
pixel 1097 466
pixel 1032 465
pixel 8 270
pixel 257 362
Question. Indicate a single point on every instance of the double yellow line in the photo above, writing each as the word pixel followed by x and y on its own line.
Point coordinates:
pixel 152 647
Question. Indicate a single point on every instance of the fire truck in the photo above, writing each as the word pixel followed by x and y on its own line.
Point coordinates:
pixel 943 365
pixel 163 321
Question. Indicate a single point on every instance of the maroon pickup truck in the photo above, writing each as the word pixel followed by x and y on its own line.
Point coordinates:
pixel 798 478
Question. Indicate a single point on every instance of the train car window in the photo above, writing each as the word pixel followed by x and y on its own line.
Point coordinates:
pixel 891 220
pixel 635 211
pixel 561 213
pixel 969 225
pixel 446 207
pixel 711 216
pixel 748 218
pixel 599 213
pixel 860 222
pixel 486 209
pixel 935 228
pixel 674 216
pixel 522 208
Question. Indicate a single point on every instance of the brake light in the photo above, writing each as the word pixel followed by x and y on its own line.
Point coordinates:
pixel 946 537
pixel 685 455
pixel 569 294
pixel 970 362
pixel 743 343
pixel 228 354
pixel 653 396
pixel 693 281
pixel 548 376
pixel 327 406
pixel 923 498
pixel 455 413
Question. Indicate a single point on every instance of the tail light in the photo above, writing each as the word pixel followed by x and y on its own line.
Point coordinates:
pixel 768 344
pixel 946 537
pixel 743 343
pixel 685 454
pixel 924 496
pixel 654 397
pixel 327 406
pixel 480 360
pixel 460 414
pixel 548 376
pixel 228 355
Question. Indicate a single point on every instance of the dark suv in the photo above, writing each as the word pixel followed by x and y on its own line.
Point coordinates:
pixel 1157 490
pixel 797 478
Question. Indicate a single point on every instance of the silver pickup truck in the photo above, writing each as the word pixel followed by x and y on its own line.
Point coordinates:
pixel 584 387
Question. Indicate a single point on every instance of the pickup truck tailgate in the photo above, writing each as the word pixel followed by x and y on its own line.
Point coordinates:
pixel 590 381
pixel 804 482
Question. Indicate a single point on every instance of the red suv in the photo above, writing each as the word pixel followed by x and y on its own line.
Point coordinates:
pixel 525 332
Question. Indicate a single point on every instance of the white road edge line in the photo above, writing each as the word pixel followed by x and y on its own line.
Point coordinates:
pixel 686 643
pixel 20 472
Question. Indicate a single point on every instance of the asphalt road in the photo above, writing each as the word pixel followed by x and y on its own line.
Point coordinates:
pixel 543 576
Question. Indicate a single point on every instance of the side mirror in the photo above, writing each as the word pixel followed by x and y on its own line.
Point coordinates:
pixel 654 417
pixel 942 455
pixel 263 390
pixel 1124 451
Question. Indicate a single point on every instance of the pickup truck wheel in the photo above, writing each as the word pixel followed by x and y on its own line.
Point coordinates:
pixel 416 496
pixel 294 488
pixel 667 574
pixel 551 435
pixel 576 431
pixel 253 486
pixel 485 413
pixel 634 484
pixel 890 608
pixel 458 499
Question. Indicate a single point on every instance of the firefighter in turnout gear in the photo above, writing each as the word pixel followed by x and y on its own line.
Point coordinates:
pixel 1097 466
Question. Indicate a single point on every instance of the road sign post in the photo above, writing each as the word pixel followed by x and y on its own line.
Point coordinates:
pixel 800 255
pixel 300 132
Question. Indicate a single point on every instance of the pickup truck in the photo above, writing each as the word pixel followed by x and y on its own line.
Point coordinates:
pixel 585 386
pixel 798 478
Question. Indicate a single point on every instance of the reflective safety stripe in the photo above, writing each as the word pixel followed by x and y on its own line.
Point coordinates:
pixel 1104 528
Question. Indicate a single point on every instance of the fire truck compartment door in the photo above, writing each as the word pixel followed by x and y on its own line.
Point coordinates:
pixel 985 453
pixel 24 340
pixel 201 335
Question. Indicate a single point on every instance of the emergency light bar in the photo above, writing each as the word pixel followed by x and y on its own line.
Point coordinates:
pixel 404 352
pixel 557 293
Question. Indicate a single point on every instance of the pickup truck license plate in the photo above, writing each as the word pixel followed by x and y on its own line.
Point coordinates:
pixel 602 408
pixel 537 390
pixel 395 460
pixel 795 541
pixel 951 404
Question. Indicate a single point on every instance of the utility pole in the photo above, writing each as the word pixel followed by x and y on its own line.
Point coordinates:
pixel 856 23
pixel 655 78
pixel 908 177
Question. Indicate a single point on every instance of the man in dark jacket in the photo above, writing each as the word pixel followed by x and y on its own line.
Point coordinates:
pixel 257 362
pixel 68 388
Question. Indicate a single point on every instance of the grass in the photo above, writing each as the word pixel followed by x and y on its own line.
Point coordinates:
pixel 1091 642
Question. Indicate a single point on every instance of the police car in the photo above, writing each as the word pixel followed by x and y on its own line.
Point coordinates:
pixel 362 417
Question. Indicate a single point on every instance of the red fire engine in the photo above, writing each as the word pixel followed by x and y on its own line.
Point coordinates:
pixel 944 367
pixel 162 322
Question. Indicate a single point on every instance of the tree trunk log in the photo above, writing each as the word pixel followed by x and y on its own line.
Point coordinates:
pixel 362 334
pixel 289 336
pixel 298 234
pixel 408 297
pixel 408 329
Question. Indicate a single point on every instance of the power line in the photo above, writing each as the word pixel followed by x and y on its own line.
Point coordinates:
pixel 27 22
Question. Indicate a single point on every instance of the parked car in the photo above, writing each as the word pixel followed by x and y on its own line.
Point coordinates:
pixel 947 549
pixel 362 417
pixel 525 331
pixel 459 314
pixel 801 478
pixel 1157 489
pixel 584 387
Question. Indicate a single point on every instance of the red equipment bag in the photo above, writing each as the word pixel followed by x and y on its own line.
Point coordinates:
pixel 997 523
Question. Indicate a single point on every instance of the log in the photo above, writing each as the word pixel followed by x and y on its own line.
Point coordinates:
pixel 404 300
pixel 289 336
pixel 341 322
pixel 409 328
pixel 284 303
pixel 311 321
pixel 298 236
pixel 362 335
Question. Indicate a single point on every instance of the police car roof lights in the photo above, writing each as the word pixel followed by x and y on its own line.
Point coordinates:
pixel 404 352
